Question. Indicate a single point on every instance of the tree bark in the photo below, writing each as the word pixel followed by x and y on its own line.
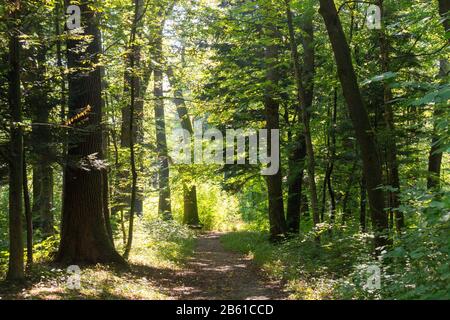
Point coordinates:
pixel 164 205
pixel 16 263
pixel 277 219
pixel 360 119
pixel 84 238
pixel 28 214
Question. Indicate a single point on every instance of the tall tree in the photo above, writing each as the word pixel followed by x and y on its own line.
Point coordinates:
pixel 84 238
pixel 393 172
pixel 137 83
pixel 16 262
pixel 190 216
pixel 37 100
pixel 304 80
pixel 360 119
pixel 164 204
pixel 435 156
pixel 134 93
pixel 274 182
pixel 28 213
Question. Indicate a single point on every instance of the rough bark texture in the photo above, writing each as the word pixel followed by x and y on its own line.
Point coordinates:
pixel 16 263
pixel 84 238
pixel 360 119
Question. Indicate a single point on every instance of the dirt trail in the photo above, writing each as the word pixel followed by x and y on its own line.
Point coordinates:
pixel 214 273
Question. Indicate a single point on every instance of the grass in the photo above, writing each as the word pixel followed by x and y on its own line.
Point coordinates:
pixel 158 248
pixel 311 271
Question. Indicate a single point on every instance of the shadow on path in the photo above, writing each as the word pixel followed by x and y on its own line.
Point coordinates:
pixel 214 273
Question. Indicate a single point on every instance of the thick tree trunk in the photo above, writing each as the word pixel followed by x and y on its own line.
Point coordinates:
pixel 360 120
pixel 164 205
pixel 304 81
pixel 84 238
pixel 16 263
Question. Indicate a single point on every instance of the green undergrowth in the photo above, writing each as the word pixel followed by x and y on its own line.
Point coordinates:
pixel 309 269
pixel 158 247
pixel 342 265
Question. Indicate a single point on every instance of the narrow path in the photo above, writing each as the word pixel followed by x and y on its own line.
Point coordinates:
pixel 214 273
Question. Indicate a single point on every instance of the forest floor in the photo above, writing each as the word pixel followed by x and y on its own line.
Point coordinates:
pixel 208 272
pixel 215 273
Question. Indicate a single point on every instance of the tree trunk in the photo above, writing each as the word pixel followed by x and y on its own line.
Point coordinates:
pixel 393 177
pixel 39 103
pixel 84 238
pixel 360 119
pixel 304 81
pixel 190 216
pixel 304 207
pixel 16 263
pixel 363 201
pixel 134 93
pixel 28 214
pixel 435 156
pixel 277 220
pixel 333 157
pixel 134 81
pixel 295 181
pixel 346 213
pixel 106 209
pixel 164 205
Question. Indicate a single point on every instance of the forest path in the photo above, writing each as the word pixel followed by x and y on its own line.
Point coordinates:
pixel 215 273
